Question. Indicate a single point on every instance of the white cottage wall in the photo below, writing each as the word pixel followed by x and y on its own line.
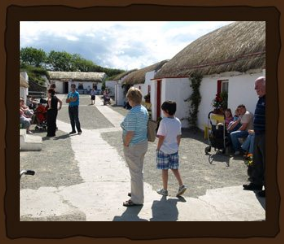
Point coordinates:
pixel 111 85
pixel 24 91
pixel 119 97
pixel 153 99
pixel 59 86
pixel 178 90
pixel 144 86
pixel 241 91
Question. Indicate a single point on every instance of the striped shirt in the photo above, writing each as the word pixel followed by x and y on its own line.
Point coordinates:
pixel 259 116
pixel 136 120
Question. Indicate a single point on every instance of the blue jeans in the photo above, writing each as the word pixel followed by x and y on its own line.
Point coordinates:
pixel 235 135
pixel 248 144
pixel 74 118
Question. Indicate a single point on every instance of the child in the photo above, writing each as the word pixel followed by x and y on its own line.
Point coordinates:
pixel 169 134
pixel 235 123
pixel 228 117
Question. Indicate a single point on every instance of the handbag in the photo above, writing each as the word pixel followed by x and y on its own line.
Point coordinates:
pixel 151 130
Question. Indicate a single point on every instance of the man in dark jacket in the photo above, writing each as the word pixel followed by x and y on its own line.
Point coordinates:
pixel 258 174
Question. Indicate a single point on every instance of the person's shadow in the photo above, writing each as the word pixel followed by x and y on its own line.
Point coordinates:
pixel 166 209
pixel 65 136
pixel 130 214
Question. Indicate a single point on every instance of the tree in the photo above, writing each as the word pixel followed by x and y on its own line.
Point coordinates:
pixel 32 56
pixel 61 61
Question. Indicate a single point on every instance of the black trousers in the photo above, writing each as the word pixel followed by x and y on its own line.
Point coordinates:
pixel 258 169
pixel 74 118
pixel 51 121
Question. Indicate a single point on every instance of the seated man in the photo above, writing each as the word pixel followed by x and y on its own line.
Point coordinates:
pixel 246 119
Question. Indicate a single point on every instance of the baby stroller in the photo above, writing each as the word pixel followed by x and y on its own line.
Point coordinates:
pixel 41 113
pixel 218 135
pixel 106 98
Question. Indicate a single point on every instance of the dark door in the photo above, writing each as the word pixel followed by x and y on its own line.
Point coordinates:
pixel 159 89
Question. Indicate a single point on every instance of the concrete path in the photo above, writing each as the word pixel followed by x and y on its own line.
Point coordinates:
pixel 106 183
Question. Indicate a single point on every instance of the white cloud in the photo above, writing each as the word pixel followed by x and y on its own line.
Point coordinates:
pixel 121 44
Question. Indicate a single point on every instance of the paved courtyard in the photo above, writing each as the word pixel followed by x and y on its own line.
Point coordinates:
pixel 85 177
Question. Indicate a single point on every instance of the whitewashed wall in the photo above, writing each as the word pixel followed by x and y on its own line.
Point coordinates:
pixel 59 86
pixel 144 86
pixel 119 97
pixel 177 90
pixel 111 85
pixel 241 91
pixel 23 93
pixel 86 84
pixel 153 97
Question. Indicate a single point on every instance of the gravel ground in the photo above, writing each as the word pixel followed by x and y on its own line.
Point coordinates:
pixel 57 167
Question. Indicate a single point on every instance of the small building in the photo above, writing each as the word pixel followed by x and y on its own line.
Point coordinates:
pixel 228 59
pixel 120 89
pixel 84 81
pixel 141 78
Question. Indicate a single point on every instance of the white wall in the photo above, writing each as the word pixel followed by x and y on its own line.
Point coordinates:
pixel 153 98
pixel 23 93
pixel 111 85
pixel 241 91
pixel 119 97
pixel 59 86
pixel 88 85
pixel 177 90
pixel 144 86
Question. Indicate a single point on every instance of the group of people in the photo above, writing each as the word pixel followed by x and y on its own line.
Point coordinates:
pixel 135 140
pixel 251 128
pixel 240 127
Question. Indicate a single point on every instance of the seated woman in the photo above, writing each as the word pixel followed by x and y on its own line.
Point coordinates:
pixel 25 122
pixel 235 123
pixel 28 112
pixel 228 117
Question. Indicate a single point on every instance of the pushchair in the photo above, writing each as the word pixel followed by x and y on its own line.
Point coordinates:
pixel 218 137
pixel 106 98
pixel 41 117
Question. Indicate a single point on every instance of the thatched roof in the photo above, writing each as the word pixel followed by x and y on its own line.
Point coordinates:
pixel 122 75
pixel 138 77
pixel 84 76
pixel 23 81
pixel 239 46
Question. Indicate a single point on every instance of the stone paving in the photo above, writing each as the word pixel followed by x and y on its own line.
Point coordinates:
pixel 84 177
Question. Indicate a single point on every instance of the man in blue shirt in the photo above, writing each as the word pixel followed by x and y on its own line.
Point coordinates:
pixel 73 109
pixel 258 174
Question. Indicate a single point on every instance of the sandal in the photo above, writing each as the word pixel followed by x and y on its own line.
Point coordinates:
pixel 129 203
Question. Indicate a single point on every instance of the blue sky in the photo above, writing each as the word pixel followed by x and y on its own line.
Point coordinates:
pixel 116 44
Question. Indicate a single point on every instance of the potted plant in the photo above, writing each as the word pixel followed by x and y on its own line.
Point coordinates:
pixel 220 102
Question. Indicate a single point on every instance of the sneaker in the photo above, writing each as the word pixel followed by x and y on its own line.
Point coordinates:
pixel 181 190
pixel 163 192
pixel 72 132
pixel 80 132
